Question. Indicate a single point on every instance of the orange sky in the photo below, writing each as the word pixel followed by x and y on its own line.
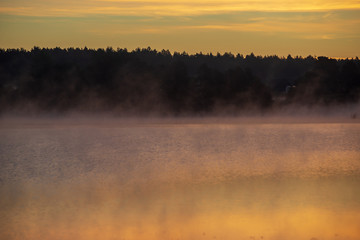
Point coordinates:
pixel 324 27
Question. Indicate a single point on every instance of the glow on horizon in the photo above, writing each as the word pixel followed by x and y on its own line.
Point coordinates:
pixel 264 27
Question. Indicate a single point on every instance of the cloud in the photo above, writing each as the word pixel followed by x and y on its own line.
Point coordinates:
pixel 164 8
pixel 304 26
pixel 322 27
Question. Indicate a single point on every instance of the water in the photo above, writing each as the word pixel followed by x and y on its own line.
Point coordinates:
pixel 137 180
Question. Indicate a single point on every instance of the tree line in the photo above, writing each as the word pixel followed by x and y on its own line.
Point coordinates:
pixel 145 81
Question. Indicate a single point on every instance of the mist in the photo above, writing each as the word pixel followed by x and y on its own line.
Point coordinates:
pixel 179 178
pixel 111 144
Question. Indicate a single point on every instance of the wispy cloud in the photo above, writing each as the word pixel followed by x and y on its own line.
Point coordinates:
pixel 329 27
pixel 306 26
pixel 164 8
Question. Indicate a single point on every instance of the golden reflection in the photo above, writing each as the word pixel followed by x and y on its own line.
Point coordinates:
pixel 246 208
pixel 298 223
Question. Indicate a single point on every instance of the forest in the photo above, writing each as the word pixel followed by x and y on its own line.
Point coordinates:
pixel 146 81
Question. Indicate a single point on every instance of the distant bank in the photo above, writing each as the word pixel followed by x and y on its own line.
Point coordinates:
pixel 147 82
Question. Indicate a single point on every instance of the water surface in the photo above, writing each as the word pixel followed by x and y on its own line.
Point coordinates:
pixel 158 180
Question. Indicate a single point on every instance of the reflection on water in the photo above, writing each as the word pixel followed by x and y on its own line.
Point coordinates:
pixel 180 181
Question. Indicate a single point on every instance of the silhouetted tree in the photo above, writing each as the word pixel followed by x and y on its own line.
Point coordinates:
pixel 146 80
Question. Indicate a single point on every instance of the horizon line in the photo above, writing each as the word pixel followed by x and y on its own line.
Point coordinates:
pixel 174 52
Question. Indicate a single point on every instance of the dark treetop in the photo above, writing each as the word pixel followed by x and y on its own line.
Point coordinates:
pixel 146 81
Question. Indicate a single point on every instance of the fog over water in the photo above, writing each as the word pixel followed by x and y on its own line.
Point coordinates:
pixel 210 178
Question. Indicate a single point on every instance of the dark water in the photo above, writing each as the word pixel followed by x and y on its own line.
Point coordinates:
pixel 180 181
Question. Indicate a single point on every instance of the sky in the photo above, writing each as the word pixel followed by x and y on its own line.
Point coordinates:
pixel 265 27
